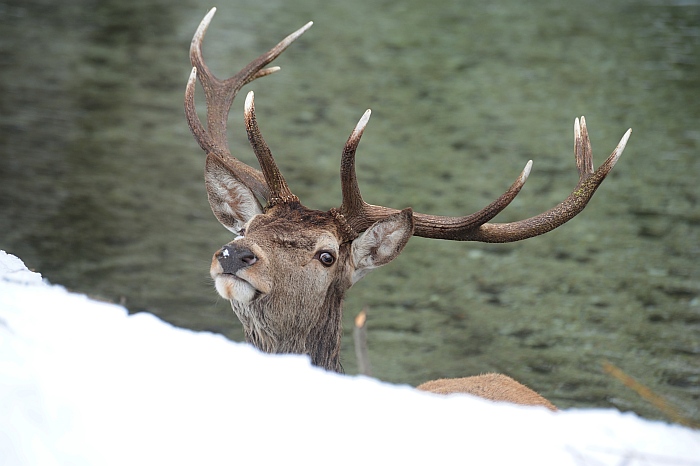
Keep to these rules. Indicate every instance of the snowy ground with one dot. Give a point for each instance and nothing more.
(83, 383)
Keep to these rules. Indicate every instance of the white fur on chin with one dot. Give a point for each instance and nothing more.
(234, 289)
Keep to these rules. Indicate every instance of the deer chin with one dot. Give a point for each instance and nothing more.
(234, 288)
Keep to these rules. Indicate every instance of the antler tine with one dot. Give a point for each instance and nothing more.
(459, 228)
(353, 204)
(589, 181)
(220, 95)
(360, 215)
(582, 148)
(279, 191)
(254, 69)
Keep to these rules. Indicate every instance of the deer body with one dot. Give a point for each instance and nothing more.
(288, 268)
(494, 387)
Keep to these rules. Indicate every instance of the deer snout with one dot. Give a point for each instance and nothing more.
(232, 258)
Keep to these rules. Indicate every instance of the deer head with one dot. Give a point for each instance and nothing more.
(288, 268)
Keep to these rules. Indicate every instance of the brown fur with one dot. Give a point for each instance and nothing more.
(495, 387)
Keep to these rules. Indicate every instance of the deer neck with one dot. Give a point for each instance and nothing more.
(319, 338)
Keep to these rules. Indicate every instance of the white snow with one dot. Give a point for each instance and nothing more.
(84, 383)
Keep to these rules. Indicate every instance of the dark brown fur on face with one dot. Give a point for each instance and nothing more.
(288, 272)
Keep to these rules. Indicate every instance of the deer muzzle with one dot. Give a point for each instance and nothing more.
(233, 258)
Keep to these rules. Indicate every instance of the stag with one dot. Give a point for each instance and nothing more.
(289, 266)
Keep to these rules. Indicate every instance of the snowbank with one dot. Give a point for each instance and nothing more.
(84, 383)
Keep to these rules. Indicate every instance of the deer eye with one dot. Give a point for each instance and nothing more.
(326, 258)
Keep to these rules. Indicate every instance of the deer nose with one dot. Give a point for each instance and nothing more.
(232, 258)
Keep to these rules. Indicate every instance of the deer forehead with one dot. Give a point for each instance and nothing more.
(294, 229)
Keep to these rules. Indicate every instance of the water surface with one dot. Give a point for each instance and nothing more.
(101, 183)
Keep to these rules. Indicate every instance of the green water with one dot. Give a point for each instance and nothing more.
(101, 183)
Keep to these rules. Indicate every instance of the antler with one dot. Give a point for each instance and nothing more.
(219, 97)
(279, 191)
(360, 215)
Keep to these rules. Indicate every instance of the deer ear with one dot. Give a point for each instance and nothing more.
(232, 202)
(381, 243)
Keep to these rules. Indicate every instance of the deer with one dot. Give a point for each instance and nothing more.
(288, 267)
